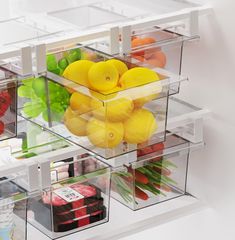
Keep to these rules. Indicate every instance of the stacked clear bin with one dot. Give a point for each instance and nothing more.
(158, 48)
(108, 123)
(159, 174)
(8, 106)
(77, 199)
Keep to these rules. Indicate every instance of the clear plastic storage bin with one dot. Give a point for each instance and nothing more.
(158, 48)
(158, 175)
(110, 108)
(13, 210)
(8, 104)
(77, 199)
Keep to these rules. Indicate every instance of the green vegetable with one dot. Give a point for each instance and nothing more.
(74, 55)
(26, 91)
(63, 63)
(57, 97)
(51, 62)
(33, 109)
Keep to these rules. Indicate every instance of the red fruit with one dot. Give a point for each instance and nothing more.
(2, 126)
(5, 98)
(3, 109)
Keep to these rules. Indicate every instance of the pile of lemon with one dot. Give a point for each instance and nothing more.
(108, 123)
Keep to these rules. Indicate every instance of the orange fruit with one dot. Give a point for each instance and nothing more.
(137, 57)
(155, 62)
(148, 40)
(136, 42)
(158, 59)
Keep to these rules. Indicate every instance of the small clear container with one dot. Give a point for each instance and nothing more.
(107, 123)
(159, 48)
(13, 210)
(77, 199)
(8, 104)
(158, 175)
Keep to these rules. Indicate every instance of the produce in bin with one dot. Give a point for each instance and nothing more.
(152, 55)
(104, 121)
(35, 92)
(76, 197)
(5, 102)
(150, 180)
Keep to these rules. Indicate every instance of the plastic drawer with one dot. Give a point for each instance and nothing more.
(158, 48)
(158, 175)
(98, 122)
(77, 199)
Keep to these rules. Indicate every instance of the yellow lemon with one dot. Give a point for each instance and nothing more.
(78, 72)
(139, 102)
(76, 125)
(69, 113)
(80, 103)
(138, 76)
(140, 126)
(105, 134)
(119, 65)
(114, 111)
(103, 76)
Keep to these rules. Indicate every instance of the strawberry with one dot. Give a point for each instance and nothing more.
(7, 97)
(2, 126)
(3, 109)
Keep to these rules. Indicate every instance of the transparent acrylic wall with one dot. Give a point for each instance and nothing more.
(158, 175)
(78, 198)
(19, 30)
(31, 140)
(13, 210)
(159, 48)
(107, 122)
(8, 104)
(85, 17)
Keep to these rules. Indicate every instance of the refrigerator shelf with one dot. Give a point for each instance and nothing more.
(20, 30)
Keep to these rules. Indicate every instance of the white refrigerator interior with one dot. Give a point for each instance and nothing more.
(208, 211)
